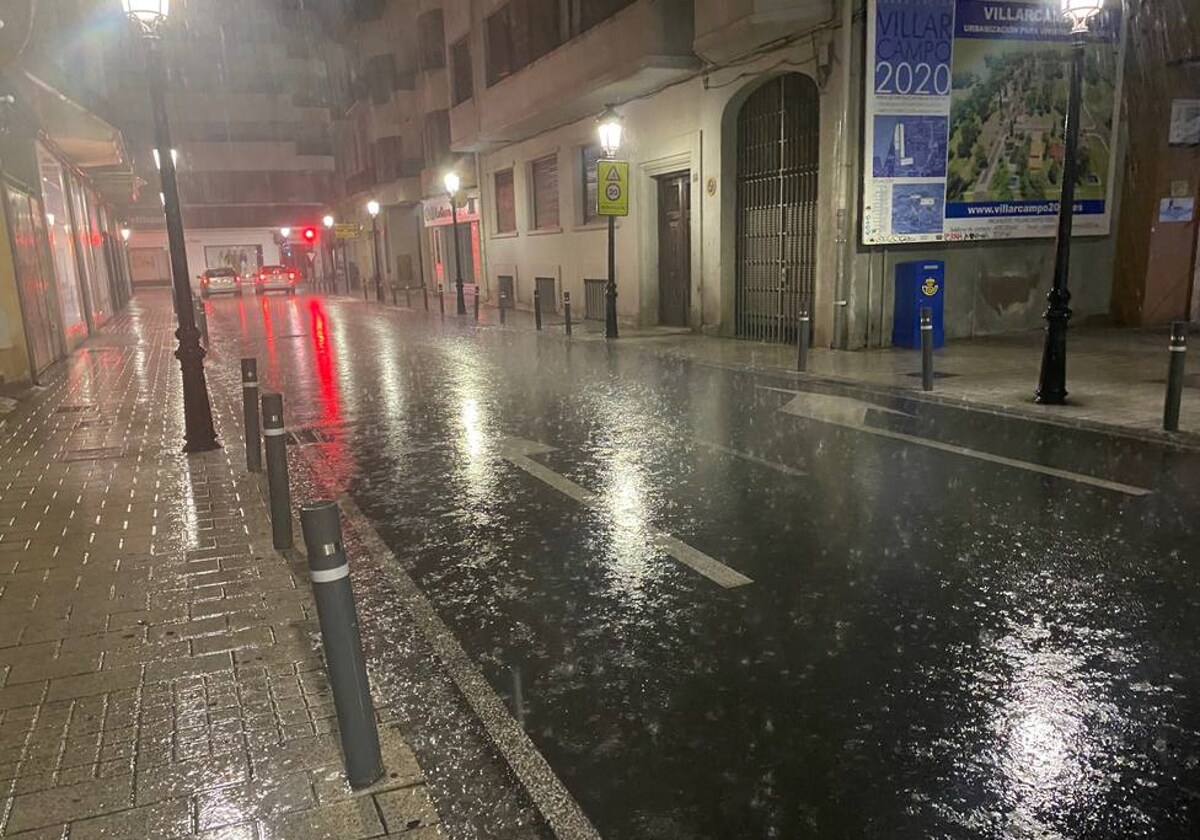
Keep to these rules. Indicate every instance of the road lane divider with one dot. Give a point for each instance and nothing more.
(519, 453)
(851, 413)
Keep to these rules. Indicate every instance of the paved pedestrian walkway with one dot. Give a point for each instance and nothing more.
(160, 667)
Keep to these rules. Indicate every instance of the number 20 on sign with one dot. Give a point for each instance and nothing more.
(612, 195)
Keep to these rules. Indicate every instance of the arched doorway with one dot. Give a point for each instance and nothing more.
(778, 152)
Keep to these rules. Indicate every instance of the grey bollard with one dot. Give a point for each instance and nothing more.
(425, 296)
(503, 306)
(567, 310)
(340, 637)
(1178, 364)
(201, 317)
(477, 302)
(537, 309)
(441, 301)
(277, 471)
(926, 348)
(250, 415)
(803, 338)
(407, 297)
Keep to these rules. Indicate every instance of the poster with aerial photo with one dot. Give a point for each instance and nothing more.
(1003, 89)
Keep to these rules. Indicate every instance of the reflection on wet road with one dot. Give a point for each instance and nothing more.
(947, 625)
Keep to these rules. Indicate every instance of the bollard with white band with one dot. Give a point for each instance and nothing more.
(477, 302)
(250, 415)
(441, 301)
(537, 309)
(277, 471)
(926, 348)
(503, 306)
(334, 596)
(567, 310)
(803, 338)
(1175, 371)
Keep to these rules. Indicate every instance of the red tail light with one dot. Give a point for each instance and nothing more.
(204, 281)
(262, 278)
(292, 276)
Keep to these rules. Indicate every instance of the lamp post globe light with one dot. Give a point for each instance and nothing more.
(199, 433)
(285, 232)
(1052, 383)
(373, 211)
(611, 128)
(453, 184)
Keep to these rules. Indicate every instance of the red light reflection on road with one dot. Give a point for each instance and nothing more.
(337, 457)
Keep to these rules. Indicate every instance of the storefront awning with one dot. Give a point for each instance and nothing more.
(85, 139)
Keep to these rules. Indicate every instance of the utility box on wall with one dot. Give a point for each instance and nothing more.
(919, 284)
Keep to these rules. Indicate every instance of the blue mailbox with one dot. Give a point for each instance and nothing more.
(919, 284)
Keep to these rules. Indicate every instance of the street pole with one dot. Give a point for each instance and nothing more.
(1052, 384)
(610, 289)
(199, 433)
(375, 257)
(458, 280)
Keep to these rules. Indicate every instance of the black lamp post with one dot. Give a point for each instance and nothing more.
(611, 126)
(1052, 384)
(453, 184)
(373, 210)
(199, 433)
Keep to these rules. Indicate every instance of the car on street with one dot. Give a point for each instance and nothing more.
(220, 281)
(276, 278)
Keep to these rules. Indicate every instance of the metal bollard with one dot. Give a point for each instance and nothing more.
(340, 637)
(441, 301)
(1178, 364)
(250, 414)
(477, 302)
(926, 348)
(201, 317)
(503, 306)
(425, 296)
(567, 310)
(277, 471)
(407, 297)
(537, 309)
(803, 338)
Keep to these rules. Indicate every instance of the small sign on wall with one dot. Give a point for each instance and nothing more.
(1185, 122)
(1176, 209)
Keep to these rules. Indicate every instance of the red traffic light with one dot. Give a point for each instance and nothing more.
(310, 234)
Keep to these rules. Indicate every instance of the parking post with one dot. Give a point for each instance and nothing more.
(250, 415)
(277, 471)
(926, 348)
(1175, 371)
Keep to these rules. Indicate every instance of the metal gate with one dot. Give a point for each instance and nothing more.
(593, 299)
(778, 154)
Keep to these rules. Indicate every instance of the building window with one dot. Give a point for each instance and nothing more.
(518, 33)
(460, 66)
(437, 138)
(432, 36)
(506, 202)
(544, 174)
(590, 156)
(593, 12)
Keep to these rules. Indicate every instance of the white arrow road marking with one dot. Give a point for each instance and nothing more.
(851, 413)
(518, 452)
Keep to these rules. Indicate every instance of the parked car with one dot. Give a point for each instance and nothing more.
(276, 278)
(220, 281)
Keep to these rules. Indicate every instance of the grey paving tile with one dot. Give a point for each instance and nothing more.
(406, 809)
(245, 831)
(101, 682)
(187, 666)
(351, 820)
(190, 777)
(266, 799)
(27, 694)
(58, 805)
(63, 666)
(169, 820)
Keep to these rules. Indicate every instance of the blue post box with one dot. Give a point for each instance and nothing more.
(919, 284)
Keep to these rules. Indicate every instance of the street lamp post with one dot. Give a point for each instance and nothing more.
(452, 184)
(1052, 383)
(199, 433)
(610, 129)
(330, 282)
(373, 209)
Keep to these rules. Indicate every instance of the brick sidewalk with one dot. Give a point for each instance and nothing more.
(160, 674)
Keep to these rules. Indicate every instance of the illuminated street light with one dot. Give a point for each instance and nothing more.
(126, 233)
(327, 221)
(610, 128)
(1052, 382)
(150, 16)
(285, 232)
(453, 184)
(373, 210)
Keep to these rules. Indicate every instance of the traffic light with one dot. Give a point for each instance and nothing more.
(310, 235)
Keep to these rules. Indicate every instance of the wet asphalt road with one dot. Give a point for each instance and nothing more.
(931, 644)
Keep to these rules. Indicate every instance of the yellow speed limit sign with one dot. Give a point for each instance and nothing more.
(612, 194)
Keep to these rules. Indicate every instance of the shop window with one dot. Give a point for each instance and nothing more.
(544, 174)
(506, 202)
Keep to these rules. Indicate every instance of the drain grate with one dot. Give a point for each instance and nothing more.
(97, 453)
(305, 437)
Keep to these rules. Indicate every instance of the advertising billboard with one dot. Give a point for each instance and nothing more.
(965, 108)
